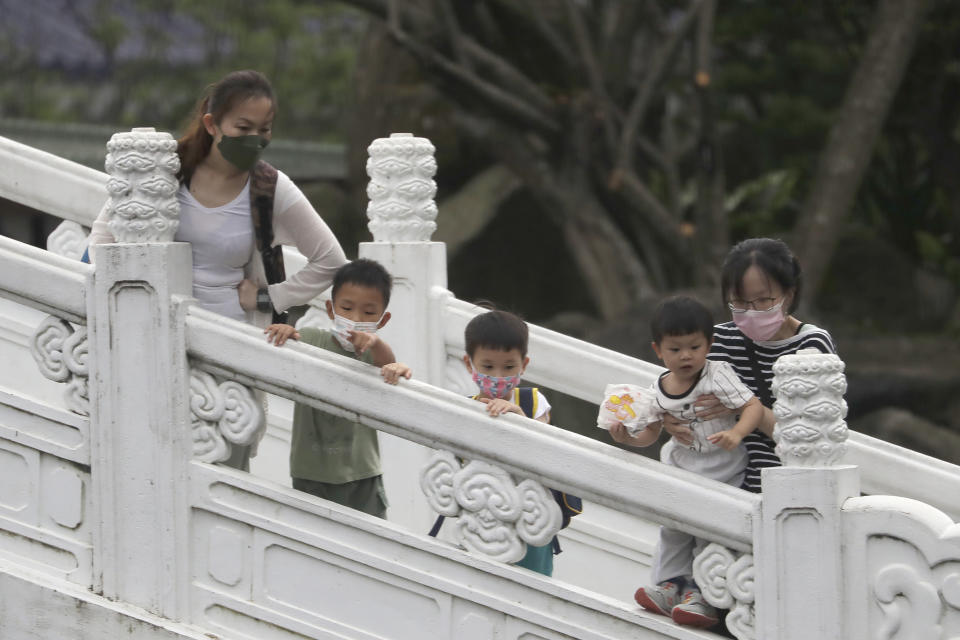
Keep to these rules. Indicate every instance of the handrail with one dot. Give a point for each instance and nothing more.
(557, 361)
(932, 481)
(51, 184)
(437, 418)
(43, 280)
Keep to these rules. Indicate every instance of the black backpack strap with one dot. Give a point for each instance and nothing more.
(263, 188)
(435, 529)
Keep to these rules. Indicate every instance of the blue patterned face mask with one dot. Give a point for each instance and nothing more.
(494, 386)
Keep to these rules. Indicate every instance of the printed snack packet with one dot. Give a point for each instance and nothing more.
(629, 404)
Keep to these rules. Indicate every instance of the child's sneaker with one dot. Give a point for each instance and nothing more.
(660, 598)
(694, 612)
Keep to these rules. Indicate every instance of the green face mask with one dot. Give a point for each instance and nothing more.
(242, 151)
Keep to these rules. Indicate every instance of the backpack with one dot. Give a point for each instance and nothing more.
(570, 505)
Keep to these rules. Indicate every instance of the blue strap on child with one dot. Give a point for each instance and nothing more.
(86, 256)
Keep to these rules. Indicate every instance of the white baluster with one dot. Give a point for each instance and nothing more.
(143, 187)
(810, 409)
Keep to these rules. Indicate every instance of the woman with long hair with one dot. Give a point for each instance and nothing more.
(236, 211)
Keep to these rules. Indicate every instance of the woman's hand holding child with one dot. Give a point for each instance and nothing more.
(708, 407)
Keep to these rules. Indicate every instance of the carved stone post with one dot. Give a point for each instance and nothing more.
(143, 187)
(402, 212)
(140, 441)
(798, 537)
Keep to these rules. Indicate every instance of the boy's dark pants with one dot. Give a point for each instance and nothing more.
(365, 495)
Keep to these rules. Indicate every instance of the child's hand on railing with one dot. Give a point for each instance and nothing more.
(728, 439)
(280, 333)
(394, 371)
(497, 406)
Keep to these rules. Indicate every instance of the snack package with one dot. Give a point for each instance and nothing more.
(629, 404)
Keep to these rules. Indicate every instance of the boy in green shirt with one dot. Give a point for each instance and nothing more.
(332, 457)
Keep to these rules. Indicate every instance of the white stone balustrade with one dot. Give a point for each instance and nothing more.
(113, 504)
(143, 186)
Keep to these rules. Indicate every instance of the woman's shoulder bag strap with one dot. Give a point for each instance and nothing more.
(263, 188)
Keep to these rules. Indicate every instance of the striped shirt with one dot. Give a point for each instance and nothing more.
(756, 371)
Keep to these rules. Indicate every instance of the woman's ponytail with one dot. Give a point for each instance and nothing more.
(195, 143)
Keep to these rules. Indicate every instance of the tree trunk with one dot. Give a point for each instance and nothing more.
(852, 138)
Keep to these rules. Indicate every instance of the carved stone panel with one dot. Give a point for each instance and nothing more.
(727, 582)
(497, 516)
(69, 240)
(60, 351)
(222, 414)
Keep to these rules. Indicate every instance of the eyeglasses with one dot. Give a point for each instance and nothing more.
(757, 304)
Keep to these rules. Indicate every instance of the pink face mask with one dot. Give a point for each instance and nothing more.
(760, 326)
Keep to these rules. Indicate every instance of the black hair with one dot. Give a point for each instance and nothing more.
(366, 273)
(499, 330)
(771, 256)
(680, 316)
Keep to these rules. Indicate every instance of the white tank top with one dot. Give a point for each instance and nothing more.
(222, 240)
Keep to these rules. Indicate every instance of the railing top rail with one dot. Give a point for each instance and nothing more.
(28, 174)
(437, 418)
(43, 280)
(557, 361)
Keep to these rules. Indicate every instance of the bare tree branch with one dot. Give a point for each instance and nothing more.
(657, 216)
(598, 248)
(553, 39)
(658, 68)
(454, 33)
(666, 161)
(509, 75)
(582, 38)
(494, 96)
(711, 235)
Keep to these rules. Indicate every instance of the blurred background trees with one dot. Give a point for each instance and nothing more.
(593, 155)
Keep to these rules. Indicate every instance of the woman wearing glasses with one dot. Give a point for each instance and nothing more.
(760, 283)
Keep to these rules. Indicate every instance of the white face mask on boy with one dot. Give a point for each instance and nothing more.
(343, 326)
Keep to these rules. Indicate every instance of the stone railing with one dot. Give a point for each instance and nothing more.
(809, 559)
(81, 192)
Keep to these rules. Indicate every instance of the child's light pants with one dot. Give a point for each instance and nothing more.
(676, 549)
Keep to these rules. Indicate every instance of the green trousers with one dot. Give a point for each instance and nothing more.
(365, 495)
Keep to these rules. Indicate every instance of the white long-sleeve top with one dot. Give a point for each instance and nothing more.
(224, 249)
